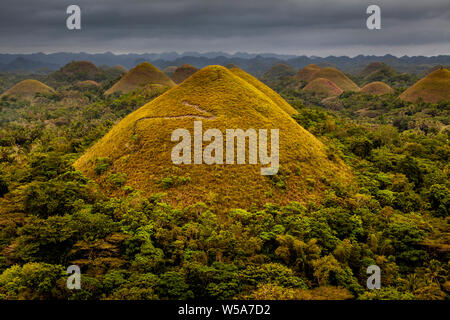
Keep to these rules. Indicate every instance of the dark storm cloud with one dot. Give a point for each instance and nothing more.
(283, 26)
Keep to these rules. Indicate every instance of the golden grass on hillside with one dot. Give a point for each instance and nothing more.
(433, 88)
(322, 87)
(377, 88)
(183, 72)
(140, 146)
(28, 89)
(139, 76)
(336, 76)
(307, 72)
(277, 99)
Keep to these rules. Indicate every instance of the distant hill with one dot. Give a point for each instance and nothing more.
(28, 89)
(323, 88)
(433, 88)
(307, 72)
(377, 88)
(23, 65)
(183, 72)
(312, 72)
(115, 71)
(170, 70)
(256, 64)
(279, 71)
(77, 71)
(139, 147)
(141, 75)
(381, 72)
(373, 67)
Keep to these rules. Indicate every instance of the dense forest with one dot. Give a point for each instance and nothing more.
(395, 214)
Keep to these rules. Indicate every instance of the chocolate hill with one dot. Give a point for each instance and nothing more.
(77, 71)
(28, 89)
(433, 88)
(307, 72)
(312, 72)
(323, 88)
(183, 72)
(377, 88)
(140, 147)
(138, 77)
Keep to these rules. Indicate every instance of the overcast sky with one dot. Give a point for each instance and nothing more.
(310, 27)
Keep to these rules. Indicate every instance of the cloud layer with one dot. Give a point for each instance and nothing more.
(320, 27)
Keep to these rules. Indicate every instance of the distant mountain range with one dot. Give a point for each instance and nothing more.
(254, 63)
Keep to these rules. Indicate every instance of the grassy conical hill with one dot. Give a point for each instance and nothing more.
(139, 147)
(377, 88)
(307, 72)
(77, 71)
(373, 67)
(276, 98)
(433, 88)
(28, 89)
(141, 75)
(336, 76)
(183, 72)
(322, 87)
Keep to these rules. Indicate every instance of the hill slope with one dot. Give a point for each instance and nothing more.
(28, 89)
(276, 98)
(377, 88)
(433, 88)
(140, 146)
(141, 75)
(183, 72)
(323, 88)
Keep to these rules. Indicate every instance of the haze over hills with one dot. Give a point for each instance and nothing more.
(141, 75)
(254, 63)
(140, 146)
(433, 88)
